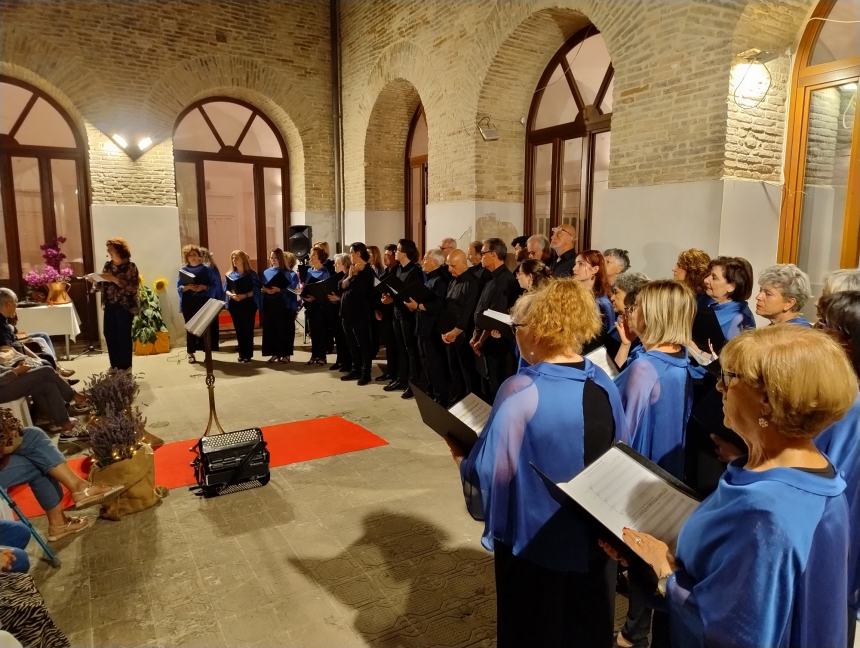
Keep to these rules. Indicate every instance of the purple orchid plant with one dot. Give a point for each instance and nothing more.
(51, 271)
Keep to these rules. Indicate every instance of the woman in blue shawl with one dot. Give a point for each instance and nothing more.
(243, 301)
(193, 285)
(279, 308)
(560, 413)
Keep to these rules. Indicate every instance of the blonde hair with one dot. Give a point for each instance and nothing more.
(560, 315)
(188, 249)
(290, 259)
(806, 376)
(245, 260)
(667, 309)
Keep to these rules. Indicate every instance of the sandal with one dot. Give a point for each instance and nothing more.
(73, 525)
(284, 360)
(191, 358)
(95, 494)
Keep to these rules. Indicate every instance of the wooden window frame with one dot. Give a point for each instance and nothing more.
(806, 79)
(587, 125)
(230, 153)
(411, 162)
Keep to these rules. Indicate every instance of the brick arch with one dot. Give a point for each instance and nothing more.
(385, 146)
(235, 77)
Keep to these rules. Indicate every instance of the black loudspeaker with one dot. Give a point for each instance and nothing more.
(300, 240)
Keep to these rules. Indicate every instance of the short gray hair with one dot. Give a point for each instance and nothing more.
(449, 242)
(630, 282)
(840, 281)
(7, 295)
(344, 259)
(790, 280)
(539, 238)
(437, 255)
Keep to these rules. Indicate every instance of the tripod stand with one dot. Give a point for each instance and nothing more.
(91, 349)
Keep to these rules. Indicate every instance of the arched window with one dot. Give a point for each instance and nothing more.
(416, 178)
(232, 180)
(820, 218)
(567, 152)
(43, 185)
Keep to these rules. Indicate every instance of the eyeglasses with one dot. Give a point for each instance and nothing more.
(483, 252)
(726, 377)
(556, 230)
(515, 326)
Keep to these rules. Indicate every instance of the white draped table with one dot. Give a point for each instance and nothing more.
(59, 319)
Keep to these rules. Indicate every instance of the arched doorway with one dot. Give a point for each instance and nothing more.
(43, 182)
(567, 149)
(232, 179)
(416, 179)
(820, 216)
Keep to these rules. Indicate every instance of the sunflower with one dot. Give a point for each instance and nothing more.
(160, 284)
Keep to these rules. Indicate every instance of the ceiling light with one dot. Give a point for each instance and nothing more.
(144, 143)
(119, 139)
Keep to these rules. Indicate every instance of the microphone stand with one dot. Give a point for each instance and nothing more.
(91, 349)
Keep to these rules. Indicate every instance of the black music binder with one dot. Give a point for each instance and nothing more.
(442, 421)
(400, 291)
(190, 279)
(491, 320)
(277, 281)
(242, 285)
(320, 290)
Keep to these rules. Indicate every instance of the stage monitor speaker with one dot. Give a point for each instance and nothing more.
(300, 240)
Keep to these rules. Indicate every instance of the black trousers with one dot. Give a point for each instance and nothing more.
(117, 329)
(461, 364)
(408, 364)
(243, 313)
(359, 339)
(318, 330)
(387, 337)
(434, 361)
(279, 327)
(543, 608)
(496, 364)
(191, 303)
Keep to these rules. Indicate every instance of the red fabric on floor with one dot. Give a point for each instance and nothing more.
(288, 443)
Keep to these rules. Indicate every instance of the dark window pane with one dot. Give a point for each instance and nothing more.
(67, 213)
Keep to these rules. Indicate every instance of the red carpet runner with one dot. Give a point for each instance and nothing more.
(288, 443)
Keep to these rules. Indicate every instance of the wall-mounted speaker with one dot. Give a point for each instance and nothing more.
(299, 241)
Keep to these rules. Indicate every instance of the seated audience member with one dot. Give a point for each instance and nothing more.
(495, 356)
(14, 538)
(243, 301)
(356, 312)
(521, 252)
(431, 350)
(343, 359)
(560, 413)
(538, 248)
(531, 274)
(839, 280)
(590, 269)
(656, 391)
(622, 343)
(408, 363)
(20, 378)
(315, 310)
(456, 322)
(762, 561)
(279, 306)
(617, 261)
(9, 334)
(563, 243)
(839, 317)
(193, 287)
(784, 290)
(384, 316)
(216, 291)
(29, 457)
(691, 268)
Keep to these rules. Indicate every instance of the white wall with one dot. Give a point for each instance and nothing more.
(153, 237)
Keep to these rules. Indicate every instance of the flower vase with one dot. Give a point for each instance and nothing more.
(58, 293)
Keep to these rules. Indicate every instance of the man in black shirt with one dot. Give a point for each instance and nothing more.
(356, 310)
(496, 359)
(456, 323)
(385, 316)
(563, 243)
(476, 269)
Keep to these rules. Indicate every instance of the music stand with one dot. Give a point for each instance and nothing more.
(89, 289)
(199, 325)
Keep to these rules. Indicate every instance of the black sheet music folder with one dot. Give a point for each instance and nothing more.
(320, 290)
(442, 422)
(400, 291)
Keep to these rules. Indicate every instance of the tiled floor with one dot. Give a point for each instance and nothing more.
(372, 548)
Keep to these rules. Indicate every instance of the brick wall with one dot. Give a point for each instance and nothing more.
(121, 65)
(672, 121)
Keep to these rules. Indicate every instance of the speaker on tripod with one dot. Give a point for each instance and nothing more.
(299, 241)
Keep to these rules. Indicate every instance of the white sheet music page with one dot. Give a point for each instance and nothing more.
(601, 358)
(504, 318)
(473, 411)
(621, 492)
(198, 324)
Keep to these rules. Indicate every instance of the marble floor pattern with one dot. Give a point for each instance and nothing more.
(372, 548)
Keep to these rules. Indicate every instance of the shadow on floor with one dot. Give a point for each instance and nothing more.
(407, 587)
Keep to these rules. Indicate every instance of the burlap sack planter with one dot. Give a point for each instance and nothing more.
(138, 475)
